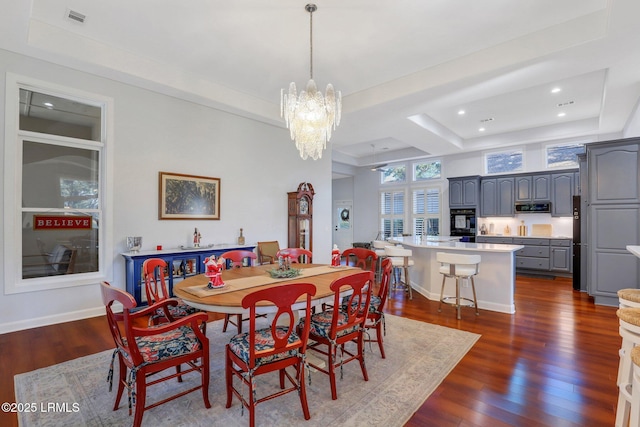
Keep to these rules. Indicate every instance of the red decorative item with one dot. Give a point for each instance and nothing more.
(213, 272)
(335, 256)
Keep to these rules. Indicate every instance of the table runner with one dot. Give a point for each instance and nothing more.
(254, 281)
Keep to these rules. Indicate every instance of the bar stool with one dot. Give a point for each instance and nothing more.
(629, 297)
(459, 267)
(401, 260)
(630, 332)
(378, 248)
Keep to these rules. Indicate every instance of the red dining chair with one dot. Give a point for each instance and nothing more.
(146, 352)
(270, 349)
(153, 270)
(375, 318)
(237, 259)
(335, 328)
(361, 257)
(296, 255)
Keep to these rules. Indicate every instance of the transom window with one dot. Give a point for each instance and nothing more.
(503, 161)
(427, 170)
(394, 174)
(563, 156)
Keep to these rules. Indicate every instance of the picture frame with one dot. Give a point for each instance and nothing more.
(184, 196)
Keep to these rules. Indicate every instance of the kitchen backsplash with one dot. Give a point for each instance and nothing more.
(560, 227)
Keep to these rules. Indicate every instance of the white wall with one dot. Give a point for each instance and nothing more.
(257, 164)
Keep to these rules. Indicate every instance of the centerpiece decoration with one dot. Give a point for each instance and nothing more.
(214, 272)
(284, 270)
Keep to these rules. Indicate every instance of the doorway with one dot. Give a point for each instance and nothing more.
(342, 224)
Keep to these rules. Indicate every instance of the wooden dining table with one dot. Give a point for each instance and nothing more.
(240, 282)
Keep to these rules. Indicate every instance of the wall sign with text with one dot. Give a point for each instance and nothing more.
(61, 222)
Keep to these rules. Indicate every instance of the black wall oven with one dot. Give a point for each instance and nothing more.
(463, 224)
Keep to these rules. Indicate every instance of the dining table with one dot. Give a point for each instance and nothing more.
(239, 282)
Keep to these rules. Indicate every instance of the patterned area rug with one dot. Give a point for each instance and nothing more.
(419, 356)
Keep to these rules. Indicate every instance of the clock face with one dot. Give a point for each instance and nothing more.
(304, 206)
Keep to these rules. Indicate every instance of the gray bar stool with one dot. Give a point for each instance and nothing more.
(458, 267)
(401, 261)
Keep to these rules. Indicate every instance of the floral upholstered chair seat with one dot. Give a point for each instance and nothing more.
(167, 345)
(178, 311)
(373, 306)
(320, 323)
(239, 344)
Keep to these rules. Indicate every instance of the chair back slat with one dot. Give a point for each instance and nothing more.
(296, 255)
(283, 297)
(153, 270)
(237, 257)
(364, 258)
(360, 286)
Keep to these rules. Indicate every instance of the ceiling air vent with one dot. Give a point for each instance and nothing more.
(76, 16)
(490, 119)
(564, 104)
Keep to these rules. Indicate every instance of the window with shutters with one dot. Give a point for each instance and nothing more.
(392, 213)
(425, 214)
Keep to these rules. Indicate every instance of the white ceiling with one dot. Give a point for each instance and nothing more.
(405, 67)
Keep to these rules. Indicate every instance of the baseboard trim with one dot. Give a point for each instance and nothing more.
(51, 320)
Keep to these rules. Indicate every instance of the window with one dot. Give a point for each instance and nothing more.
(503, 161)
(427, 170)
(55, 191)
(426, 211)
(563, 156)
(395, 174)
(392, 210)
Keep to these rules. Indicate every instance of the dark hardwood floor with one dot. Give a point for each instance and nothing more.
(553, 363)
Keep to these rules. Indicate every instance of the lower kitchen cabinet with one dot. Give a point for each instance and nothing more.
(539, 255)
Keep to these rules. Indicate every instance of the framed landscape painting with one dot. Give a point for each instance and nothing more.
(188, 197)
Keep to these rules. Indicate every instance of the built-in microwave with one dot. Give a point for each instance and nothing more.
(538, 207)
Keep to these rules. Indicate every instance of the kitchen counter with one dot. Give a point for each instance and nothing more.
(634, 250)
(495, 283)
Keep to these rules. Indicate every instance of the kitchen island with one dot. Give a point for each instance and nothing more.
(495, 283)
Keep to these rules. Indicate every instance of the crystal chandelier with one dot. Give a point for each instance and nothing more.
(311, 116)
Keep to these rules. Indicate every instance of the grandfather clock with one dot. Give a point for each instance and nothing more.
(300, 214)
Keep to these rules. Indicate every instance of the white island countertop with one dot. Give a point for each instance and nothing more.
(634, 250)
(495, 283)
(447, 243)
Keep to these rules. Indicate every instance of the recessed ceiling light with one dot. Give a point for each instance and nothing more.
(461, 113)
(481, 129)
(562, 114)
(556, 90)
(48, 105)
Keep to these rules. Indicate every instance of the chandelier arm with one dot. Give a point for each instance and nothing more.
(311, 8)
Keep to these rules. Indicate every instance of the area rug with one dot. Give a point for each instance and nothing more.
(418, 357)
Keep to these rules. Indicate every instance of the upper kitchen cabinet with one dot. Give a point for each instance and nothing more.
(533, 188)
(497, 196)
(464, 192)
(562, 191)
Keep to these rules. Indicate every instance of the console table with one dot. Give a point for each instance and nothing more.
(181, 263)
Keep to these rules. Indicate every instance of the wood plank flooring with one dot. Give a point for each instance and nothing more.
(553, 363)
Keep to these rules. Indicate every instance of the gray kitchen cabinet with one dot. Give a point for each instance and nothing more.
(562, 190)
(534, 255)
(613, 218)
(497, 196)
(532, 188)
(560, 255)
(539, 255)
(494, 239)
(464, 192)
